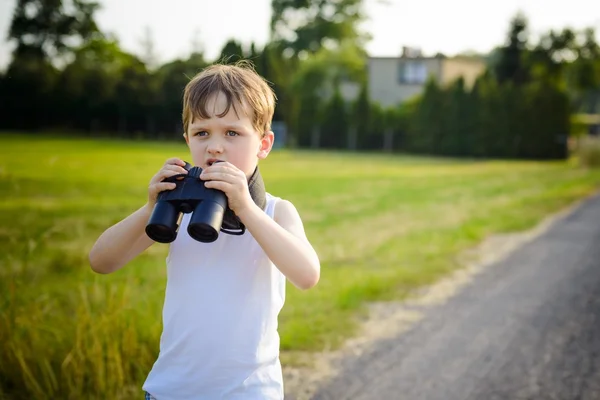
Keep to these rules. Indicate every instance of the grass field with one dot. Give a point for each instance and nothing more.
(382, 226)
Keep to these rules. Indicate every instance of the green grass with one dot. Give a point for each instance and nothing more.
(382, 225)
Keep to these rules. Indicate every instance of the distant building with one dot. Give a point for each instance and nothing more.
(393, 80)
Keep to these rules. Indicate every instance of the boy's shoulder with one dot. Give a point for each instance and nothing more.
(276, 200)
(273, 201)
(282, 209)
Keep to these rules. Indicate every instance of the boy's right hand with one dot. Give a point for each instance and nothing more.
(173, 166)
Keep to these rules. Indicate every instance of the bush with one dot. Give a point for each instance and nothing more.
(588, 152)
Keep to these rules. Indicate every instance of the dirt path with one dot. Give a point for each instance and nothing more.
(388, 322)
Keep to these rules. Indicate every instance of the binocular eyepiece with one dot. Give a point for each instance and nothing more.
(189, 196)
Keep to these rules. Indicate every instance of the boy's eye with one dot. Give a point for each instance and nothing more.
(232, 133)
(200, 133)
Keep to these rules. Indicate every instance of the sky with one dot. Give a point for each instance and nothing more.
(434, 26)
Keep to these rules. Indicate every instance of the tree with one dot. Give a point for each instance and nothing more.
(27, 94)
(510, 65)
(47, 28)
(315, 81)
(583, 75)
(305, 26)
(44, 30)
(427, 127)
(232, 51)
(105, 88)
(301, 30)
(149, 56)
(335, 122)
(360, 118)
(572, 59)
(171, 80)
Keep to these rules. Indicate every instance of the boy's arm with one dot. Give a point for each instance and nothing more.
(121, 243)
(284, 241)
(282, 238)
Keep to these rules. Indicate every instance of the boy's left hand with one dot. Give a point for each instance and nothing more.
(229, 179)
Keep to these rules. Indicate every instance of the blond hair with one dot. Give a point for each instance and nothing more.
(240, 84)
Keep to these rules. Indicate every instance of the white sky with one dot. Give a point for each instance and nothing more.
(433, 25)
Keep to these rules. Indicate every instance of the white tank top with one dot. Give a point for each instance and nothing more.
(220, 338)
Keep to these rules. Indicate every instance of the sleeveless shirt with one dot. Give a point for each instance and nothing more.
(220, 338)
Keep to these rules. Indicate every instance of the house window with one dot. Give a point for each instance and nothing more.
(412, 72)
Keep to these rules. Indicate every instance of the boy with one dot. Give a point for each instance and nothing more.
(223, 298)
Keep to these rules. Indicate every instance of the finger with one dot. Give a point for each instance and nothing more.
(220, 176)
(164, 174)
(176, 168)
(219, 185)
(222, 166)
(161, 186)
(171, 172)
(175, 161)
(230, 170)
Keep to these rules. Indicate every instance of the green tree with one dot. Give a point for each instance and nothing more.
(335, 122)
(232, 51)
(360, 116)
(303, 29)
(305, 85)
(427, 127)
(27, 94)
(45, 28)
(306, 26)
(104, 87)
(583, 74)
(549, 56)
(171, 80)
(373, 140)
(390, 122)
(454, 115)
(510, 65)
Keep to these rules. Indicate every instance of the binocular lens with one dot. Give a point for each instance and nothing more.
(161, 233)
(162, 226)
(203, 233)
(206, 221)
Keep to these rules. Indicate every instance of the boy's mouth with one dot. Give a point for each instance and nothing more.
(212, 161)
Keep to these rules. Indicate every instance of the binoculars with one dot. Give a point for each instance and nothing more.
(207, 206)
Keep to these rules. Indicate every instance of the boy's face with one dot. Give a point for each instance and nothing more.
(230, 138)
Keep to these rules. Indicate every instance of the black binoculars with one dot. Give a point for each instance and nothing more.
(207, 206)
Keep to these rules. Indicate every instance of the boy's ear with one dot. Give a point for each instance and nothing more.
(266, 144)
(187, 139)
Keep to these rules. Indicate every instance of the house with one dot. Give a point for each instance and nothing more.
(393, 80)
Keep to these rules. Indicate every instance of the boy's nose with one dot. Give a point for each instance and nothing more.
(215, 148)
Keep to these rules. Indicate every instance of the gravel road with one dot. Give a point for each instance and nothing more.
(528, 327)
